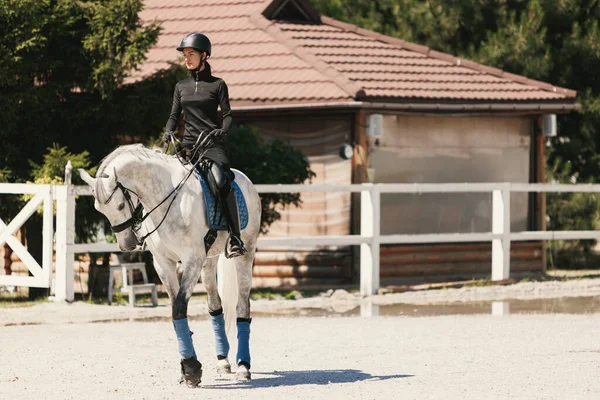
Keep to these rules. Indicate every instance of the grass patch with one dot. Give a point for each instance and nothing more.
(480, 283)
(19, 301)
(281, 294)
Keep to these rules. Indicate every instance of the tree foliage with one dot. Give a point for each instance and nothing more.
(268, 162)
(570, 211)
(52, 171)
(61, 73)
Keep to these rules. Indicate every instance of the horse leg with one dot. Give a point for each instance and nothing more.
(244, 274)
(167, 272)
(215, 309)
(191, 368)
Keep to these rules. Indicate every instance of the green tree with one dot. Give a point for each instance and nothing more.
(10, 204)
(268, 162)
(63, 64)
(570, 211)
(52, 170)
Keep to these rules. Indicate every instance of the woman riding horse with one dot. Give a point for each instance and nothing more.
(199, 96)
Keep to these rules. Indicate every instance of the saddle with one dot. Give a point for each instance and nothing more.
(214, 214)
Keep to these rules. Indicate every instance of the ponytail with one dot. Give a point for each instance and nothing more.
(207, 67)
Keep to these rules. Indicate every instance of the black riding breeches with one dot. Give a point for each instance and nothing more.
(218, 166)
(222, 178)
(217, 154)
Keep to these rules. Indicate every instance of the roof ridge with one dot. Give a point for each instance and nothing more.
(270, 27)
(447, 57)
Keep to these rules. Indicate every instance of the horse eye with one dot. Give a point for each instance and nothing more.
(121, 206)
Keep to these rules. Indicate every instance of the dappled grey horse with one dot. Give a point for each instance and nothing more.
(149, 196)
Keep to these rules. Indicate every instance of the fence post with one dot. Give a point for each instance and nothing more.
(501, 226)
(370, 221)
(65, 238)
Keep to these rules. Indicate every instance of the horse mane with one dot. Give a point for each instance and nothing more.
(138, 150)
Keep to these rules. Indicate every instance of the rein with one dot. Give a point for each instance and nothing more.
(136, 219)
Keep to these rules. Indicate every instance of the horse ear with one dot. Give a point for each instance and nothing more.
(112, 181)
(86, 177)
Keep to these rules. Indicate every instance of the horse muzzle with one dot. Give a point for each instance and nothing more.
(127, 241)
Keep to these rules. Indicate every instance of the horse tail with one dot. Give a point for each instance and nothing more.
(228, 290)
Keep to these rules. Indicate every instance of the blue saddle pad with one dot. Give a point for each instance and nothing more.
(214, 215)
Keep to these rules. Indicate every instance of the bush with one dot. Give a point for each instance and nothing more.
(268, 162)
(570, 212)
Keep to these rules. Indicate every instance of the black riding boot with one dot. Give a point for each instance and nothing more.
(235, 246)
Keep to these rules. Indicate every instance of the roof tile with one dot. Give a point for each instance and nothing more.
(288, 91)
(449, 86)
(202, 12)
(220, 39)
(183, 27)
(275, 76)
(187, 3)
(414, 69)
(345, 56)
(394, 76)
(250, 63)
(464, 95)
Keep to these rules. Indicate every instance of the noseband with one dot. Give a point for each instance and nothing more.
(136, 212)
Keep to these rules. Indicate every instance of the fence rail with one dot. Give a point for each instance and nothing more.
(370, 238)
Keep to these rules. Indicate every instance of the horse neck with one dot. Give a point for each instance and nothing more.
(149, 178)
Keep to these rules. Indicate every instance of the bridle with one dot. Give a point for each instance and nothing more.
(136, 219)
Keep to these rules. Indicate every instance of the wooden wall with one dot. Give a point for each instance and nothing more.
(448, 149)
(414, 148)
(319, 137)
(437, 148)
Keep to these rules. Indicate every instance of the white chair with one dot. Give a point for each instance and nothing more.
(126, 270)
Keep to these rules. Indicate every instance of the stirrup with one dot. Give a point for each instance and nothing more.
(237, 247)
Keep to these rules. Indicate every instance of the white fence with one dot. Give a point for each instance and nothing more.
(42, 195)
(369, 239)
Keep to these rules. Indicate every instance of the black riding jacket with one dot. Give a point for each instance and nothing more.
(199, 97)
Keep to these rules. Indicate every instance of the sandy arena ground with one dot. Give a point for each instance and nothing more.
(56, 351)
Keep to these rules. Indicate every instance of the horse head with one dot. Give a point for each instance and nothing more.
(117, 204)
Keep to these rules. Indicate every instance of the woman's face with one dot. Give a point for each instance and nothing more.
(192, 58)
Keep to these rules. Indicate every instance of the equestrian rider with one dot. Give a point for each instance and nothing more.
(199, 96)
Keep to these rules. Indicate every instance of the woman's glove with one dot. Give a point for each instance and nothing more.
(167, 136)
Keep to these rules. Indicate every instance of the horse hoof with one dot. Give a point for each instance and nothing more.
(191, 372)
(223, 366)
(243, 373)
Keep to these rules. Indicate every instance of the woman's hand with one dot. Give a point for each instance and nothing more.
(167, 136)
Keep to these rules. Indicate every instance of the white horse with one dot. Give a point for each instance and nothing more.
(174, 225)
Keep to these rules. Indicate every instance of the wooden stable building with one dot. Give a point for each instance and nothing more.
(415, 115)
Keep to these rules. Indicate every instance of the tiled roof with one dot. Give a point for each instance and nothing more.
(276, 61)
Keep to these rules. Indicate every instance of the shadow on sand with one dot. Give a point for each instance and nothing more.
(294, 378)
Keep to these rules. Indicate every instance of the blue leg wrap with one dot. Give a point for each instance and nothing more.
(243, 336)
(221, 342)
(184, 338)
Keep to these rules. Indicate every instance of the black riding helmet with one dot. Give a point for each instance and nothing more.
(196, 41)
